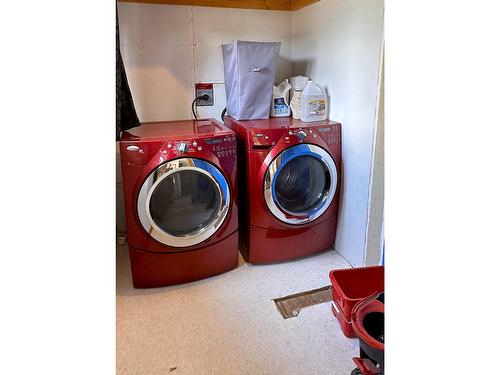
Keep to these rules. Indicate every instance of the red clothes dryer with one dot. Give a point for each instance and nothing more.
(179, 181)
(289, 175)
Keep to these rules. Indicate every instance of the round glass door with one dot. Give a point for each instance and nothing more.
(300, 184)
(183, 202)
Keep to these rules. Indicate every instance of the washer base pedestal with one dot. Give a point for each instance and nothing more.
(274, 245)
(150, 269)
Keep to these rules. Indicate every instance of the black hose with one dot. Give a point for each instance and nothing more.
(201, 97)
(223, 114)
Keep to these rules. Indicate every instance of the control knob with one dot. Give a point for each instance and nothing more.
(301, 135)
(182, 147)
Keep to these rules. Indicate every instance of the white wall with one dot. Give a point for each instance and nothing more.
(338, 44)
(167, 48)
(375, 231)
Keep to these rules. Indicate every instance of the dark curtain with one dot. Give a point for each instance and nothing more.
(126, 116)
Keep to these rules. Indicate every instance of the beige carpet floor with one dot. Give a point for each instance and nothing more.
(229, 324)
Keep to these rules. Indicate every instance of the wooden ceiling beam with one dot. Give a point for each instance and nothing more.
(238, 4)
(299, 4)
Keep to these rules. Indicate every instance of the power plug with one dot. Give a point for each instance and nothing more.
(200, 90)
(199, 99)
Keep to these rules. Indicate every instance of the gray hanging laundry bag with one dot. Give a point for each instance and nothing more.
(249, 74)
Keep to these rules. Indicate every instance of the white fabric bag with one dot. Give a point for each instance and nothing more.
(249, 73)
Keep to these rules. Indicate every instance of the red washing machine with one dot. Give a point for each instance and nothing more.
(289, 175)
(179, 182)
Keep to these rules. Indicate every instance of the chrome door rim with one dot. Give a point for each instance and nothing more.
(273, 171)
(157, 176)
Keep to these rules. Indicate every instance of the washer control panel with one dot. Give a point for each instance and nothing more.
(182, 147)
(179, 148)
(222, 147)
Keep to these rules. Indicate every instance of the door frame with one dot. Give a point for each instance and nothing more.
(166, 169)
(273, 170)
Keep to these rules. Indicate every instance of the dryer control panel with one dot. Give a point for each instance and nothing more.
(265, 138)
(330, 133)
(300, 134)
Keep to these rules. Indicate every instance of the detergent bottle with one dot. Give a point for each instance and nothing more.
(313, 103)
(280, 106)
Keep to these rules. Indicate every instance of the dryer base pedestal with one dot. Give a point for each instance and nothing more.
(274, 245)
(150, 270)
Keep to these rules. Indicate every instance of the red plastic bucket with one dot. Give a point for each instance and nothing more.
(351, 285)
(368, 324)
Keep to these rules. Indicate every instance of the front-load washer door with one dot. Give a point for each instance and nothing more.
(300, 184)
(183, 202)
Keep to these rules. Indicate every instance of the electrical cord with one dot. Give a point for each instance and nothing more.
(204, 97)
(223, 114)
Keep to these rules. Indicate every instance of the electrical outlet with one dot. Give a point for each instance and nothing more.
(204, 88)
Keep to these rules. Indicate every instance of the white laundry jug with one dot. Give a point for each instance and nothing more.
(279, 105)
(298, 83)
(313, 103)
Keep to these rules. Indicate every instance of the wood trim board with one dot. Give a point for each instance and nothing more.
(290, 306)
(286, 5)
(299, 4)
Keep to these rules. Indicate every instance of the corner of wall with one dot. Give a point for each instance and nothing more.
(374, 222)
